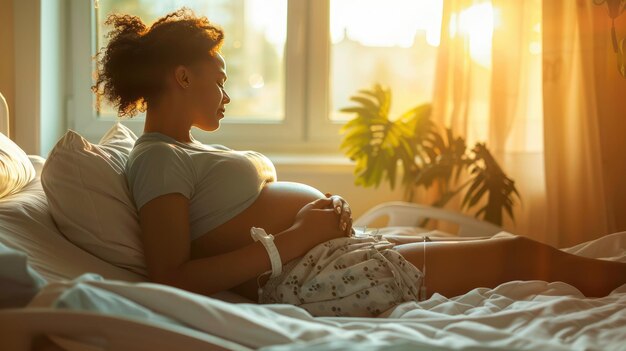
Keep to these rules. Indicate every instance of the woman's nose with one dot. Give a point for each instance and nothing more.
(226, 98)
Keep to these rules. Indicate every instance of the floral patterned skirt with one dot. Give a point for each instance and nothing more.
(349, 277)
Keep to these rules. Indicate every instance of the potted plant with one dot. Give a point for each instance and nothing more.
(428, 156)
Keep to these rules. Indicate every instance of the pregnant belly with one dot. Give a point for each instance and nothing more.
(274, 210)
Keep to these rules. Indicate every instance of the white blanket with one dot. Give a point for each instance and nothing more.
(531, 315)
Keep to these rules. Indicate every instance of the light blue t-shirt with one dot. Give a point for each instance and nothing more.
(219, 182)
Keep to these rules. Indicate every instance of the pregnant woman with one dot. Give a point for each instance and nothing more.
(198, 204)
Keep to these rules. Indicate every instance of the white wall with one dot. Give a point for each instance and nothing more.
(27, 84)
(39, 86)
(7, 60)
(53, 73)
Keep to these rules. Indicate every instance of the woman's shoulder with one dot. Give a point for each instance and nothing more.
(153, 150)
(150, 146)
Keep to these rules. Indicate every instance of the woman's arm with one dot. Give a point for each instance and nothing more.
(165, 235)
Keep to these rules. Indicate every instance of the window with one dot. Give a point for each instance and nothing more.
(395, 45)
(292, 64)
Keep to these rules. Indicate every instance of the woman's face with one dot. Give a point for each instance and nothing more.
(208, 97)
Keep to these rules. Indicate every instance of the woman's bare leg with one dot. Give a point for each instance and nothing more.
(454, 268)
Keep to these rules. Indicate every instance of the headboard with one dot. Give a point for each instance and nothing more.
(4, 116)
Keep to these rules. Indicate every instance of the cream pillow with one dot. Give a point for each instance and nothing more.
(16, 170)
(89, 198)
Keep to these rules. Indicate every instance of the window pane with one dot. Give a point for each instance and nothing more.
(256, 32)
(392, 42)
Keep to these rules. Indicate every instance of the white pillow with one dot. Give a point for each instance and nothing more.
(89, 197)
(16, 170)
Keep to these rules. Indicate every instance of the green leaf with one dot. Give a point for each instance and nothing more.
(476, 182)
(367, 104)
(509, 210)
(477, 196)
(385, 103)
(362, 112)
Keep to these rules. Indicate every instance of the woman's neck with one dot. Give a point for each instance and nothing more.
(167, 121)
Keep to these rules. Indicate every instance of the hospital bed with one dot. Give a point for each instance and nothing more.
(55, 295)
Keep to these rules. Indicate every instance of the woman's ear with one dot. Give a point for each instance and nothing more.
(182, 76)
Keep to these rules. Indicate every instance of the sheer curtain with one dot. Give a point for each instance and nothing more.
(488, 89)
(585, 118)
(538, 82)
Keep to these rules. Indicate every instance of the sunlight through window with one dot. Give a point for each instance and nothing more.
(477, 22)
(393, 43)
(388, 24)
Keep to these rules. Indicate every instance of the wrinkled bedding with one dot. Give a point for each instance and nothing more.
(519, 315)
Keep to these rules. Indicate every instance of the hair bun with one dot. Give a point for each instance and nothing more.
(125, 25)
(132, 67)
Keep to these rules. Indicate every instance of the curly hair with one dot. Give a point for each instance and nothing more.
(132, 67)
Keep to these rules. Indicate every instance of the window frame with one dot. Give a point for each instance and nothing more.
(306, 127)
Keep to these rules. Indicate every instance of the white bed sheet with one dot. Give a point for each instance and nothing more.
(520, 315)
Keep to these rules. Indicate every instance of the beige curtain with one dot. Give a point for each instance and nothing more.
(550, 104)
(488, 88)
(585, 122)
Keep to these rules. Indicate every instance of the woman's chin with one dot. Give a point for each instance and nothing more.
(209, 127)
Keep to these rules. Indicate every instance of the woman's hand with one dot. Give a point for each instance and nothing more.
(318, 222)
(342, 208)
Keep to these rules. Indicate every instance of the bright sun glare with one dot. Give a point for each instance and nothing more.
(397, 23)
(477, 22)
(394, 24)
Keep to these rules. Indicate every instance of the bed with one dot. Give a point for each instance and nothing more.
(57, 295)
